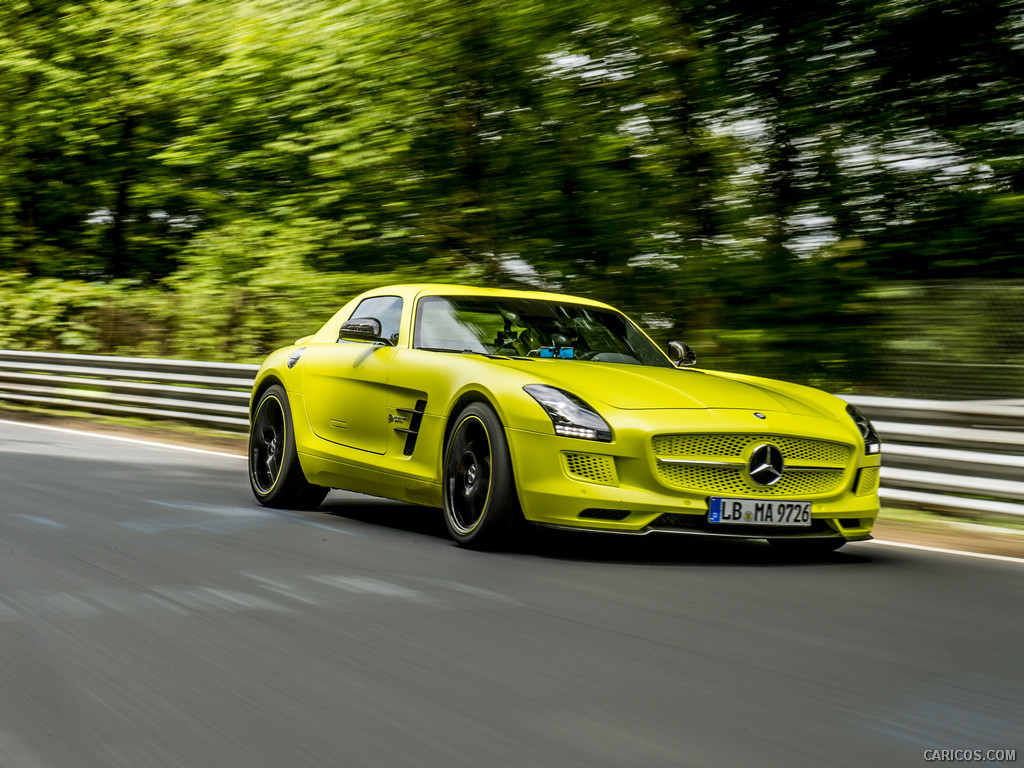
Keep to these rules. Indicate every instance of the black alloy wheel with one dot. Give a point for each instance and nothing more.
(481, 507)
(266, 444)
(274, 471)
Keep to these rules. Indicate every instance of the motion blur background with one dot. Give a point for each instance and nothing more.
(830, 193)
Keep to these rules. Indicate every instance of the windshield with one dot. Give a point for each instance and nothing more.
(531, 328)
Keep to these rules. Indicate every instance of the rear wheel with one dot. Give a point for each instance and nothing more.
(274, 472)
(481, 506)
(807, 547)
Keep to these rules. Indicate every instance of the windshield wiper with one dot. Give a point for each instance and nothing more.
(453, 351)
(447, 349)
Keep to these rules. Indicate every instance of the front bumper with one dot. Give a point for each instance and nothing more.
(619, 487)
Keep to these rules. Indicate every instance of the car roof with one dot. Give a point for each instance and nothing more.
(416, 290)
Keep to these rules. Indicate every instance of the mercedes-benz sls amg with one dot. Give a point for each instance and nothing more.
(507, 408)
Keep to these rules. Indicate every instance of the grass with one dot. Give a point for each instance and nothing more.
(907, 515)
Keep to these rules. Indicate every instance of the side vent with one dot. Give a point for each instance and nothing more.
(868, 481)
(415, 417)
(590, 467)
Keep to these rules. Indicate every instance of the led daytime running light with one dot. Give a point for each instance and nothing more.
(570, 416)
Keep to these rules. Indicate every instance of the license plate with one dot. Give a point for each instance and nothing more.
(759, 512)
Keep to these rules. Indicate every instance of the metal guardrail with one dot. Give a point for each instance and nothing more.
(211, 394)
(949, 455)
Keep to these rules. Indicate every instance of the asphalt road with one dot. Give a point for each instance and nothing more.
(151, 614)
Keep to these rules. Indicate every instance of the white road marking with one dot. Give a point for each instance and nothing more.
(940, 550)
(132, 440)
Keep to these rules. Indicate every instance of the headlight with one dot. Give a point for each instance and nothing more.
(571, 416)
(872, 444)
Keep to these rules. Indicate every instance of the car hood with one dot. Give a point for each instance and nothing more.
(634, 387)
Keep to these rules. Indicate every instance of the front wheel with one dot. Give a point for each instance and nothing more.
(274, 472)
(481, 506)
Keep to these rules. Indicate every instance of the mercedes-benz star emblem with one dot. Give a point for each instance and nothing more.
(765, 466)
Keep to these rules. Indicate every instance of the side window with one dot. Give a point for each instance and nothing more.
(387, 309)
(440, 326)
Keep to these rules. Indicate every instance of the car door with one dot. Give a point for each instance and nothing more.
(345, 383)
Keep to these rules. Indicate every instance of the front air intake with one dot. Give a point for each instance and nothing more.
(603, 514)
(590, 467)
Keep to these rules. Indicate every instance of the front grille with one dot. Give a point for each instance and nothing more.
(733, 481)
(592, 467)
(674, 521)
(736, 448)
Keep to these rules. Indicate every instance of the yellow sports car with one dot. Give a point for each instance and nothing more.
(513, 407)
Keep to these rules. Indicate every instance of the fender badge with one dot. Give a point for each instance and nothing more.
(760, 416)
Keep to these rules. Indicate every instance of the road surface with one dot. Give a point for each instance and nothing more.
(152, 614)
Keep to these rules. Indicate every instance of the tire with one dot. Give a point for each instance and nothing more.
(274, 472)
(481, 506)
(806, 548)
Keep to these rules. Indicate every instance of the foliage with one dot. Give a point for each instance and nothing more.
(211, 179)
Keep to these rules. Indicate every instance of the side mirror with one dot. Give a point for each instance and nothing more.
(362, 329)
(681, 355)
